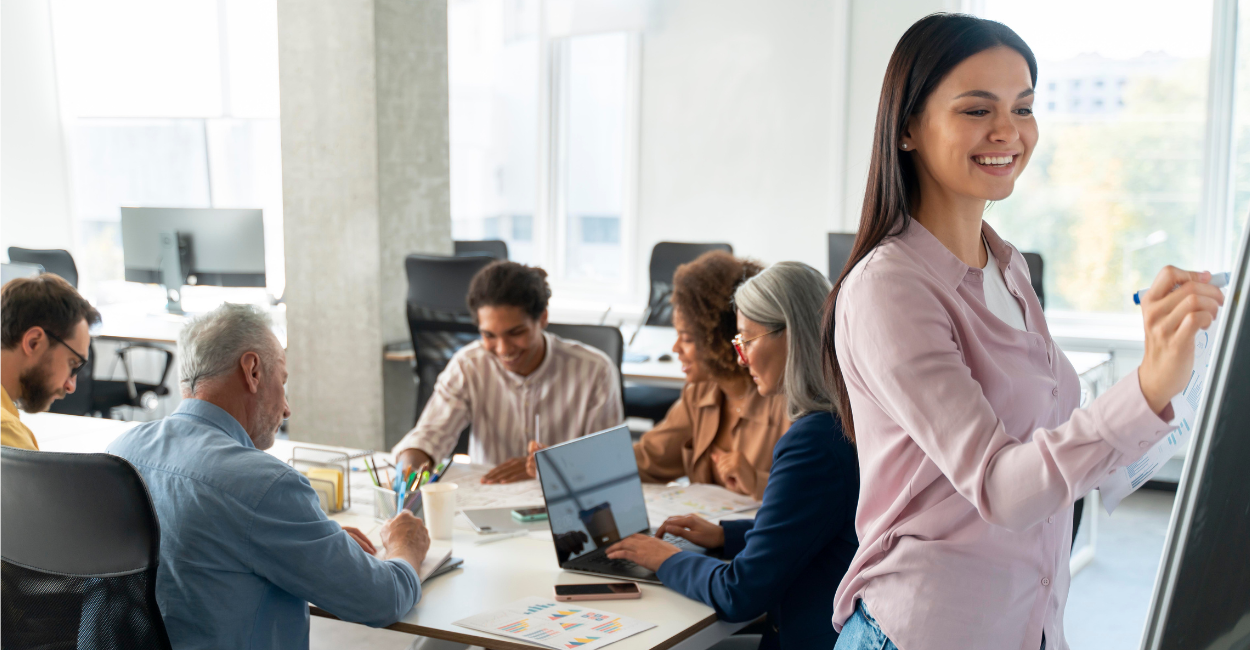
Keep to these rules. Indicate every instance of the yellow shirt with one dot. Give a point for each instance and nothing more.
(12, 432)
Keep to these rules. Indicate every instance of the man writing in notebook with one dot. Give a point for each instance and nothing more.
(244, 545)
(46, 341)
(517, 385)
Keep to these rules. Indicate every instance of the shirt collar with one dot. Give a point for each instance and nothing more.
(7, 403)
(945, 265)
(215, 416)
(753, 408)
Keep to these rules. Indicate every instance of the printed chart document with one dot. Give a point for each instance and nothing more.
(1126, 480)
(556, 625)
(708, 501)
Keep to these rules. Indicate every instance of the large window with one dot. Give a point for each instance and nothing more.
(168, 104)
(543, 138)
(1115, 189)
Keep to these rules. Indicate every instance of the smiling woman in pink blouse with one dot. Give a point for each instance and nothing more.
(962, 407)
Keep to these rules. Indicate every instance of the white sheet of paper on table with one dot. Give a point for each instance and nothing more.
(556, 625)
(1127, 479)
(708, 501)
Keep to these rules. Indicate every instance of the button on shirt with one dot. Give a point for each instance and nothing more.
(969, 442)
(575, 391)
(244, 546)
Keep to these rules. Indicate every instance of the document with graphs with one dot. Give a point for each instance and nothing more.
(556, 625)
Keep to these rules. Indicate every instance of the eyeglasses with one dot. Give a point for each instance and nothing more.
(82, 361)
(740, 344)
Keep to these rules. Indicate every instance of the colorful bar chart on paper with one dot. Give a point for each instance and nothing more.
(611, 626)
(517, 626)
(546, 623)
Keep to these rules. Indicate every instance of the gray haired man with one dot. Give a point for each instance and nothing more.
(244, 545)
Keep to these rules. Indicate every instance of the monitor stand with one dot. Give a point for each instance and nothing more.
(172, 271)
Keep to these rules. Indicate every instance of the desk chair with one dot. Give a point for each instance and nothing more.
(493, 248)
(840, 244)
(98, 396)
(53, 260)
(653, 402)
(601, 337)
(1034, 262)
(15, 270)
(438, 318)
(81, 548)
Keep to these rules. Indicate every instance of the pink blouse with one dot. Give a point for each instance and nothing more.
(971, 450)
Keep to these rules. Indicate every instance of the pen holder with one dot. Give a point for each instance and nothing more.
(384, 503)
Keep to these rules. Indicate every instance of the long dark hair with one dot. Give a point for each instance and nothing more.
(929, 50)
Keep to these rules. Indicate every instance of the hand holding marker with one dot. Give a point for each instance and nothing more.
(1218, 280)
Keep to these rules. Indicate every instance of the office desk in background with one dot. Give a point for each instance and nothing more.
(493, 575)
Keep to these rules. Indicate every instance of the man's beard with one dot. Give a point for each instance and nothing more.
(37, 396)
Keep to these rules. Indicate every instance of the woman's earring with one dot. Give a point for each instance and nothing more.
(904, 145)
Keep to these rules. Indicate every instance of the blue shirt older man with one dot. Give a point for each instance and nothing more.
(244, 545)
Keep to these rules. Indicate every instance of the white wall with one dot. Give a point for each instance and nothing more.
(34, 194)
(756, 120)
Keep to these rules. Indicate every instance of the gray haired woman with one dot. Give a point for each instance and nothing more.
(788, 561)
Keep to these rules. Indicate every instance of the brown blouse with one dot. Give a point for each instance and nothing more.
(682, 443)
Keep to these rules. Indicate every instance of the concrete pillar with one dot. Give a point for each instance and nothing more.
(365, 182)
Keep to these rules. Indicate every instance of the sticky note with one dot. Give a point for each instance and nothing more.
(333, 476)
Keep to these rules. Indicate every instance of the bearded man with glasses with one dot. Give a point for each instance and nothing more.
(45, 339)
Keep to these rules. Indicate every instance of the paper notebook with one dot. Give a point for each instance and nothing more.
(434, 558)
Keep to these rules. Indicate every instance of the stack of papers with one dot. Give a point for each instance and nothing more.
(556, 625)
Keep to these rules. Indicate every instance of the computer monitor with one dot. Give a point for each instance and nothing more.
(196, 246)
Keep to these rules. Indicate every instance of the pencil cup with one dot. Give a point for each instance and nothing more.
(439, 503)
(384, 503)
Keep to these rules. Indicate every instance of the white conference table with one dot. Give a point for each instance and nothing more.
(493, 575)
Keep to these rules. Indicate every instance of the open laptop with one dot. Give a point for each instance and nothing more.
(594, 499)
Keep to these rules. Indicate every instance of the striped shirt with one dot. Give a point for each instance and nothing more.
(574, 391)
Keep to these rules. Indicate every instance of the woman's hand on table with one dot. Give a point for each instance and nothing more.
(531, 465)
(694, 529)
(643, 550)
(1172, 318)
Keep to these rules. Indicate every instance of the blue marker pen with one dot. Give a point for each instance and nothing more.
(1218, 280)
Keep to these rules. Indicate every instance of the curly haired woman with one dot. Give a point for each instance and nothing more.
(721, 430)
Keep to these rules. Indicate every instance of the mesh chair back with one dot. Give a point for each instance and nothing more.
(840, 244)
(52, 260)
(438, 318)
(81, 546)
(1034, 261)
(494, 248)
(601, 337)
(665, 258)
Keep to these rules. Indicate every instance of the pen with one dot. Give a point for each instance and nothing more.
(500, 537)
(537, 428)
(1218, 280)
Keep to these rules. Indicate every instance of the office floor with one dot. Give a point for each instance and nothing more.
(1106, 607)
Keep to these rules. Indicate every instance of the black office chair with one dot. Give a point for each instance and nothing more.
(99, 396)
(1034, 262)
(653, 402)
(53, 260)
(601, 337)
(81, 546)
(438, 318)
(666, 256)
(493, 248)
(840, 244)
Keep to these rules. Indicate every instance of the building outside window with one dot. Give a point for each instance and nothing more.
(543, 138)
(1114, 190)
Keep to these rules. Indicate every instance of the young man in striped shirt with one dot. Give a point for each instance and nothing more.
(516, 385)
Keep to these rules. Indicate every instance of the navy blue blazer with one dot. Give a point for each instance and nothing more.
(789, 560)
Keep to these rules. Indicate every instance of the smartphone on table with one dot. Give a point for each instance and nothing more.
(530, 514)
(600, 591)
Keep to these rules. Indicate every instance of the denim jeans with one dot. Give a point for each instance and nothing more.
(861, 632)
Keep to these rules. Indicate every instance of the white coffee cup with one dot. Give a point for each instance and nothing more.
(438, 503)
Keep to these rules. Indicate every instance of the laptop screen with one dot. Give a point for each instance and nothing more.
(593, 493)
